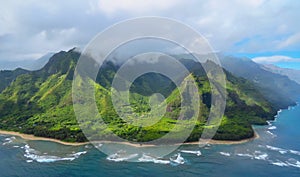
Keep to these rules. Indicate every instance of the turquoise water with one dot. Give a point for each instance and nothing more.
(276, 153)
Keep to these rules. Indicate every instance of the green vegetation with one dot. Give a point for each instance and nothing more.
(40, 103)
(6, 77)
(277, 89)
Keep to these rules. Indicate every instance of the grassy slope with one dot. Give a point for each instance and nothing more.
(40, 103)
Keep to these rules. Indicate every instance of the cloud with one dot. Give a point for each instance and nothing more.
(32, 27)
(290, 41)
(226, 24)
(275, 59)
(135, 6)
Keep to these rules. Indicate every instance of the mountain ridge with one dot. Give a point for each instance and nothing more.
(292, 74)
(278, 89)
(40, 103)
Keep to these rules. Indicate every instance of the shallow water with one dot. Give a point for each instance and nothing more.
(276, 153)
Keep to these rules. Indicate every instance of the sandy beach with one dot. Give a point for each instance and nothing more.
(33, 138)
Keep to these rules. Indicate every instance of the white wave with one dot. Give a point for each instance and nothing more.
(280, 110)
(207, 146)
(291, 108)
(121, 156)
(98, 145)
(77, 154)
(269, 123)
(34, 155)
(87, 146)
(272, 134)
(280, 150)
(29, 161)
(43, 158)
(293, 163)
(177, 159)
(161, 161)
(260, 155)
(9, 140)
(225, 154)
(272, 128)
(279, 163)
(294, 152)
(198, 153)
(148, 158)
(245, 155)
(16, 146)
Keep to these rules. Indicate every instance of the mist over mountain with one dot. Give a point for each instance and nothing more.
(277, 88)
(26, 64)
(292, 74)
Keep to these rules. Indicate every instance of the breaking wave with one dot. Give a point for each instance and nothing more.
(258, 155)
(121, 156)
(272, 128)
(148, 158)
(198, 153)
(294, 152)
(280, 150)
(245, 155)
(225, 154)
(8, 140)
(34, 155)
(177, 159)
(288, 163)
(272, 134)
(293, 163)
(279, 163)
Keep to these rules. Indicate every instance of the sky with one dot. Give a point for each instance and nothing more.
(267, 31)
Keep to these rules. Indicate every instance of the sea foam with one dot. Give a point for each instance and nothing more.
(177, 159)
(293, 163)
(279, 163)
(34, 155)
(225, 154)
(294, 152)
(9, 140)
(272, 134)
(272, 128)
(148, 158)
(198, 153)
(280, 150)
(258, 155)
(121, 156)
(245, 155)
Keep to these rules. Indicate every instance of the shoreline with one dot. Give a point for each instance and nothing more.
(226, 142)
(36, 138)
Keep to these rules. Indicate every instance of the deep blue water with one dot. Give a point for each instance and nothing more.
(276, 153)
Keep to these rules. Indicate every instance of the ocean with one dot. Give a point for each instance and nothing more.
(275, 154)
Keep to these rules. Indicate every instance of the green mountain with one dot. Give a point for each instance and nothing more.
(7, 77)
(276, 88)
(40, 103)
(292, 74)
